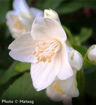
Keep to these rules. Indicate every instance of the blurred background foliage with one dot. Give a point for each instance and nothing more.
(78, 18)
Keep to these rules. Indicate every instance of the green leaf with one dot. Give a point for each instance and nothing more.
(81, 82)
(1, 73)
(15, 69)
(68, 33)
(72, 6)
(4, 56)
(47, 4)
(4, 7)
(69, 7)
(21, 67)
(84, 34)
(22, 89)
(90, 78)
(89, 4)
(11, 72)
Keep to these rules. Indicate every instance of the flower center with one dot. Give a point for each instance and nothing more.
(46, 50)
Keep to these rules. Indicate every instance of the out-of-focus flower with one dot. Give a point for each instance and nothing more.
(92, 53)
(46, 49)
(21, 18)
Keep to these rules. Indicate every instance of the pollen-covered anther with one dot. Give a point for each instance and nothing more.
(43, 58)
(53, 53)
(36, 44)
(37, 54)
(34, 52)
(49, 58)
(43, 43)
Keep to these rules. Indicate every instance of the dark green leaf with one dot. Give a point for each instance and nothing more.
(11, 72)
(21, 67)
(69, 7)
(72, 6)
(4, 7)
(22, 89)
(81, 82)
(47, 4)
(84, 34)
(90, 81)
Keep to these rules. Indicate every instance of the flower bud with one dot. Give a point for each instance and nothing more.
(92, 53)
(76, 59)
(51, 14)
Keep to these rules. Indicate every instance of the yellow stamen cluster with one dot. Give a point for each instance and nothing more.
(46, 50)
(18, 24)
(57, 87)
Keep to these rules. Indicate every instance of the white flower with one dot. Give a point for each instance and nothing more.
(21, 18)
(46, 49)
(92, 53)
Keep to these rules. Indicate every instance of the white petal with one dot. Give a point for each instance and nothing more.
(22, 48)
(43, 74)
(65, 70)
(44, 28)
(53, 94)
(76, 59)
(11, 15)
(36, 11)
(49, 13)
(69, 86)
(21, 6)
(56, 96)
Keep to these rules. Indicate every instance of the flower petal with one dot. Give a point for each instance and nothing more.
(56, 96)
(43, 74)
(22, 48)
(51, 14)
(69, 86)
(65, 69)
(11, 15)
(21, 6)
(44, 28)
(36, 12)
(53, 94)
